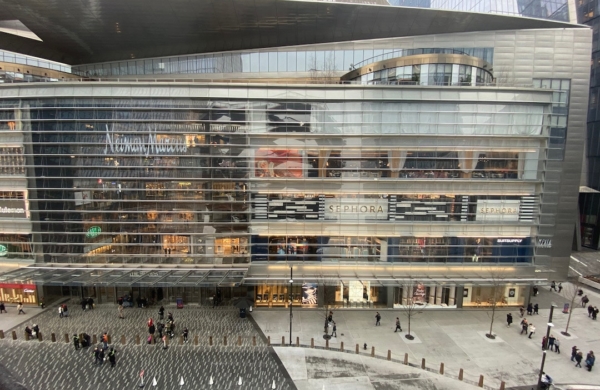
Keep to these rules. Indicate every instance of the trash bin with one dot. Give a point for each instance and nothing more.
(242, 313)
(179, 302)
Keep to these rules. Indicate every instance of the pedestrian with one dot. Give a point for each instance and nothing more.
(553, 286)
(20, 308)
(531, 330)
(84, 304)
(164, 340)
(36, 331)
(551, 341)
(509, 319)
(584, 300)
(121, 316)
(76, 341)
(590, 360)
(86, 340)
(559, 287)
(28, 332)
(536, 308)
(529, 309)
(573, 353)
(185, 334)
(556, 345)
(150, 322)
(544, 343)
(170, 317)
(161, 313)
(330, 317)
(590, 310)
(377, 319)
(578, 359)
(524, 326)
(595, 313)
(535, 291)
(65, 310)
(60, 311)
(104, 340)
(398, 326)
(101, 356)
(160, 327)
(521, 311)
(2, 308)
(96, 354)
(334, 331)
(112, 358)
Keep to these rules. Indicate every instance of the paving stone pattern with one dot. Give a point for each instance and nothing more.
(47, 365)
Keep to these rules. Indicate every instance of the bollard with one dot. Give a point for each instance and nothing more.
(40, 336)
(210, 341)
(224, 340)
(180, 340)
(357, 349)
(283, 341)
(326, 344)
(268, 340)
(1, 334)
(66, 338)
(372, 351)
(254, 341)
(423, 363)
(137, 339)
(442, 368)
(460, 375)
(342, 346)
(502, 385)
(480, 384)
(196, 340)
(389, 354)
(53, 338)
(297, 341)
(406, 359)
(312, 343)
(123, 341)
(26, 336)
(109, 339)
(14, 335)
(94, 339)
(239, 340)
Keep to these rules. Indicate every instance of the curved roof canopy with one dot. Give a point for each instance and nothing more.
(88, 31)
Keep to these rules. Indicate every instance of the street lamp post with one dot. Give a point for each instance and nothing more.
(545, 345)
(291, 301)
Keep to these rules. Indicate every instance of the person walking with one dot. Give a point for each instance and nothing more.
(590, 310)
(28, 333)
(560, 287)
(531, 330)
(553, 286)
(121, 315)
(535, 291)
(521, 311)
(578, 359)
(595, 313)
(104, 339)
(524, 326)
(65, 310)
(584, 300)
(551, 341)
(112, 358)
(398, 326)
(509, 320)
(20, 308)
(97, 354)
(556, 345)
(185, 334)
(36, 331)
(60, 311)
(330, 317)
(377, 319)
(536, 308)
(334, 331)
(101, 356)
(529, 309)
(590, 359)
(76, 341)
(2, 308)
(573, 353)
(544, 343)
(161, 313)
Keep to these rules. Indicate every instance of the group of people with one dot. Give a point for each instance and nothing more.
(100, 356)
(526, 326)
(577, 357)
(592, 312)
(32, 332)
(164, 330)
(84, 341)
(552, 343)
(87, 304)
(19, 308)
(63, 310)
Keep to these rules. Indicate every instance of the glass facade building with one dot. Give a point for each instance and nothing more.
(440, 161)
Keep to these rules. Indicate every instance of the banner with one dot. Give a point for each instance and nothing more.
(278, 163)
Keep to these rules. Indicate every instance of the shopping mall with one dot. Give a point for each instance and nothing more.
(294, 157)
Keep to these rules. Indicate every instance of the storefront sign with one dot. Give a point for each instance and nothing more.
(355, 209)
(94, 231)
(153, 144)
(509, 240)
(28, 290)
(545, 243)
(498, 210)
(309, 293)
(13, 209)
(3, 251)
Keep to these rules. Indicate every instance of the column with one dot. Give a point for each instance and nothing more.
(390, 296)
(404, 294)
(452, 296)
(438, 295)
(432, 295)
(459, 296)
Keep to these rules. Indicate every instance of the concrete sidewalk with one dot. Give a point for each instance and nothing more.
(457, 338)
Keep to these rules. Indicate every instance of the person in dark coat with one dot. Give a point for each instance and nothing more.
(28, 331)
(97, 354)
(101, 356)
(536, 308)
(578, 359)
(112, 358)
(36, 331)
(76, 341)
(2, 308)
(377, 319)
(161, 313)
(185, 334)
(509, 319)
(590, 359)
(529, 309)
(590, 310)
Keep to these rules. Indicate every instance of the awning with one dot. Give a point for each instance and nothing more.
(126, 276)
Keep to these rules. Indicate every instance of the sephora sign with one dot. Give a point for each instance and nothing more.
(146, 145)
